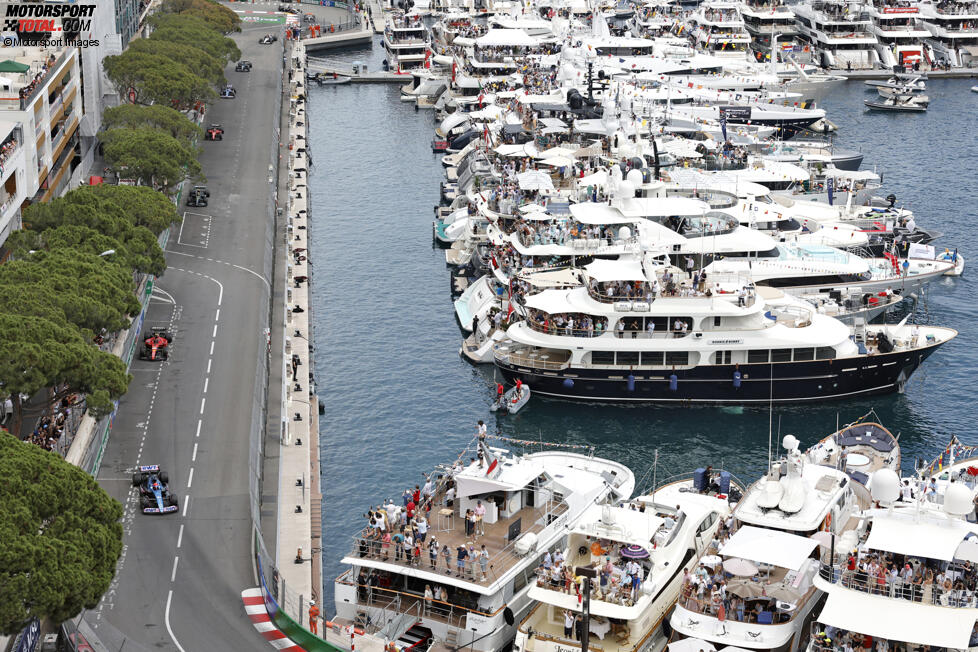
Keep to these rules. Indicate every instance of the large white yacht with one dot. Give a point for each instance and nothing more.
(719, 29)
(953, 27)
(406, 42)
(530, 502)
(662, 536)
(635, 331)
(900, 35)
(841, 31)
(771, 558)
(904, 578)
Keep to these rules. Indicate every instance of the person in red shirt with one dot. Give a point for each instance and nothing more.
(410, 510)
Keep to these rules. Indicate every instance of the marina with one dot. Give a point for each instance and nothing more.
(548, 239)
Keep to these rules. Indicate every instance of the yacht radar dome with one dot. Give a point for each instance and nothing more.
(885, 486)
(957, 500)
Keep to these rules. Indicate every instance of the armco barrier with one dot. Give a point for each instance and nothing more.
(296, 632)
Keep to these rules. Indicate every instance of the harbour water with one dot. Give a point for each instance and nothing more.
(399, 399)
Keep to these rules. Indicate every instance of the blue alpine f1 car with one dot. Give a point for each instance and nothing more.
(154, 490)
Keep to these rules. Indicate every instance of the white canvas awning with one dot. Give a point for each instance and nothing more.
(511, 37)
(626, 269)
(898, 620)
(774, 547)
(593, 213)
(931, 540)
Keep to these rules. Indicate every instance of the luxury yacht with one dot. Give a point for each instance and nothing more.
(904, 576)
(953, 27)
(635, 331)
(640, 551)
(719, 29)
(769, 558)
(841, 32)
(406, 42)
(900, 36)
(529, 503)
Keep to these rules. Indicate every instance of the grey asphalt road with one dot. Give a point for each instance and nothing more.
(178, 584)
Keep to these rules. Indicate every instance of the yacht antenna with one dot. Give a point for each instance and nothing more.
(655, 464)
(770, 420)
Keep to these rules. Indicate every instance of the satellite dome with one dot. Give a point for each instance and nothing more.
(957, 500)
(624, 233)
(791, 442)
(635, 177)
(885, 486)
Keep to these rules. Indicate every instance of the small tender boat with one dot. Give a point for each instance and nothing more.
(952, 257)
(905, 103)
(974, 89)
(332, 80)
(512, 401)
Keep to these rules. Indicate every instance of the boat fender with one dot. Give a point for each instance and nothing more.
(568, 383)
(673, 382)
(631, 383)
(736, 380)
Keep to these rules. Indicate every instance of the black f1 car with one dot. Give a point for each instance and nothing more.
(154, 491)
(267, 39)
(156, 345)
(214, 132)
(243, 66)
(198, 196)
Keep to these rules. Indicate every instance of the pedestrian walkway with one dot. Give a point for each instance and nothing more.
(254, 605)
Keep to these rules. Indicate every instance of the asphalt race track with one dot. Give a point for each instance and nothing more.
(179, 581)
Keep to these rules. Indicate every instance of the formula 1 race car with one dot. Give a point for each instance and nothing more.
(267, 39)
(214, 132)
(228, 92)
(198, 196)
(243, 66)
(154, 490)
(156, 345)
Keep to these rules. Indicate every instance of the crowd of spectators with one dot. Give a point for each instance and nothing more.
(27, 90)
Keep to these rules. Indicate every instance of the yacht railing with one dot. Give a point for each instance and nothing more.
(898, 588)
(634, 333)
(412, 605)
(688, 477)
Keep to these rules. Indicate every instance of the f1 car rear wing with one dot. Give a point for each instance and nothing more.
(151, 467)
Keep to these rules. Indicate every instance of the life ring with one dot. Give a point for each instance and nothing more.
(827, 524)
(806, 48)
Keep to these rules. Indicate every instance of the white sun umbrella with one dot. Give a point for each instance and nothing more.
(691, 645)
(558, 161)
(535, 180)
(740, 567)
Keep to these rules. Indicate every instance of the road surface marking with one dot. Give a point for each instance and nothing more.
(180, 536)
(206, 381)
(223, 262)
(199, 423)
(173, 573)
(214, 334)
(202, 402)
(193, 458)
(212, 347)
(190, 478)
(185, 503)
(169, 630)
(218, 315)
(208, 365)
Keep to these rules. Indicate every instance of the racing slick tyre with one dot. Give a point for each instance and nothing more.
(164, 477)
(168, 337)
(164, 355)
(145, 501)
(137, 479)
(142, 354)
(171, 501)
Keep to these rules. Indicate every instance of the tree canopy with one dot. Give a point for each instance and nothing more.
(61, 536)
(189, 30)
(196, 60)
(160, 117)
(150, 155)
(155, 79)
(214, 14)
(37, 353)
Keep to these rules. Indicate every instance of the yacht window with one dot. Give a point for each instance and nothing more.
(825, 353)
(628, 357)
(723, 357)
(653, 358)
(780, 355)
(677, 357)
(717, 320)
(603, 357)
(707, 522)
(757, 355)
(804, 354)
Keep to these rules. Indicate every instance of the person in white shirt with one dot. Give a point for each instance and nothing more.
(480, 512)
